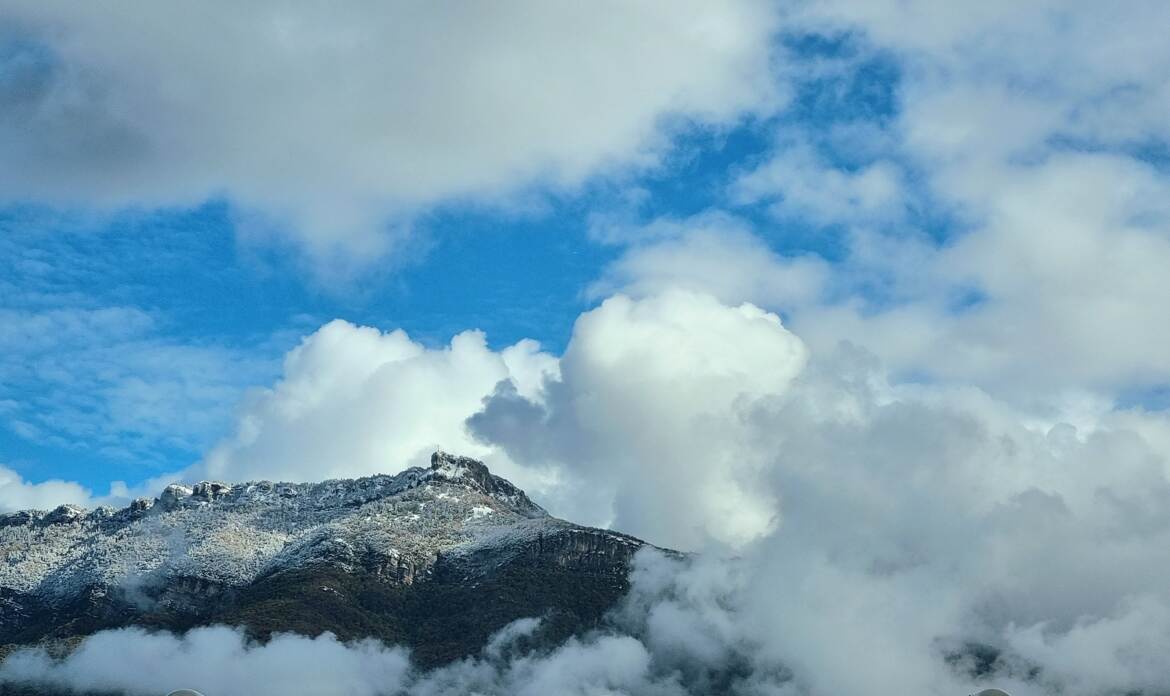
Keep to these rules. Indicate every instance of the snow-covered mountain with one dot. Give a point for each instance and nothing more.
(436, 558)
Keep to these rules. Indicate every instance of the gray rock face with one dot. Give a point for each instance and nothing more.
(259, 553)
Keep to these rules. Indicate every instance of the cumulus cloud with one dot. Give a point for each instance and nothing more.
(643, 381)
(356, 401)
(336, 124)
(643, 423)
(916, 523)
(18, 494)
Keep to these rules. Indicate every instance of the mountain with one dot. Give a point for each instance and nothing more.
(435, 558)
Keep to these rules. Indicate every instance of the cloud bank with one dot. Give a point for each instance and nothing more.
(216, 660)
(335, 125)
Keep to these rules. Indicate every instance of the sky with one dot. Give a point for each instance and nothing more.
(870, 296)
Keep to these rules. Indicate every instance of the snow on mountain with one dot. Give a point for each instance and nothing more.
(230, 535)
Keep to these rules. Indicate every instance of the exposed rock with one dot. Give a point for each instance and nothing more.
(453, 468)
(141, 505)
(210, 490)
(173, 495)
(64, 514)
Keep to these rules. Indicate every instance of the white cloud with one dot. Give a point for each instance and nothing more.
(18, 494)
(221, 660)
(919, 520)
(355, 401)
(1099, 71)
(644, 423)
(799, 184)
(1125, 651)
(1031, 135)
(217, 660)
(1066, 245)
(914, 516)
(712, 253)
(1068, 262)
(339, 123)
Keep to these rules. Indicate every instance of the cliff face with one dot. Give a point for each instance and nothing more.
(436, 559)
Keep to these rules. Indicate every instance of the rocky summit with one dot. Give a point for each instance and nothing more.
(435, 558)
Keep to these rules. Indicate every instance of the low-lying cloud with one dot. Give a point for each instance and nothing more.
(704, 625)
(216, 660)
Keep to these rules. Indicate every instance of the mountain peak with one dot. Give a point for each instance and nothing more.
(234, 533)
(454, 468)
(245, 552)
